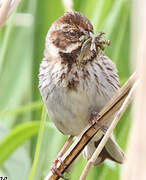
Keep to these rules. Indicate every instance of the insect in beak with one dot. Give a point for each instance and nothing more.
(84, 48)
(100, 41)
(95, 42)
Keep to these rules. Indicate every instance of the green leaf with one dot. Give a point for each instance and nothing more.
(23, 109)
(17, 137)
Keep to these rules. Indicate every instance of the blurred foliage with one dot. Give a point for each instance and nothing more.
(21, 51)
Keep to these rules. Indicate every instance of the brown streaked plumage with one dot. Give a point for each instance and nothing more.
(76, 78)
(75, 19)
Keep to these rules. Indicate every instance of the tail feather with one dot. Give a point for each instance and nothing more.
(114, 150)
(111, 151)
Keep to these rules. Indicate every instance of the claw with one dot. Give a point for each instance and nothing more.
(94, 119)
(63, 164)
(56, 171)
(54, 166)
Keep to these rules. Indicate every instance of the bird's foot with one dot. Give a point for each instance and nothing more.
(56, 171)
(54, 166)
(94, 119)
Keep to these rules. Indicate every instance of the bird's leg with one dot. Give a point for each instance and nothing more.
(62, 151)
(94, 119)
(58, 159)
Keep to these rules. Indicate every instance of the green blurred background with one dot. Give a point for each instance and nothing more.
(29, 142)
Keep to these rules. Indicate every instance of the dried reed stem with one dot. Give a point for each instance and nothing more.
(6, 8)
(90, 131)
(14, 5)
(109, 132)
(68, 5)
(135, 166)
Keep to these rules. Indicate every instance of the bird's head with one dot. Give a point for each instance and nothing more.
(73, 38)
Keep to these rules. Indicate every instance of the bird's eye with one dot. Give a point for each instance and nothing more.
(73, 32)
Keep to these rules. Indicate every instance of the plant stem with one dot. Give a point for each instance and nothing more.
(38, 146)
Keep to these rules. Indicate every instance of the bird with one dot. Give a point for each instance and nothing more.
(77, 79)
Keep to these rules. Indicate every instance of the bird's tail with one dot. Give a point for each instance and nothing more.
(110, 151)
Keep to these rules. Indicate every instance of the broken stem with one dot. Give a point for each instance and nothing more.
(109, 132)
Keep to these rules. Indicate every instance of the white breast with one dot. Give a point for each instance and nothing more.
(70, 110)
